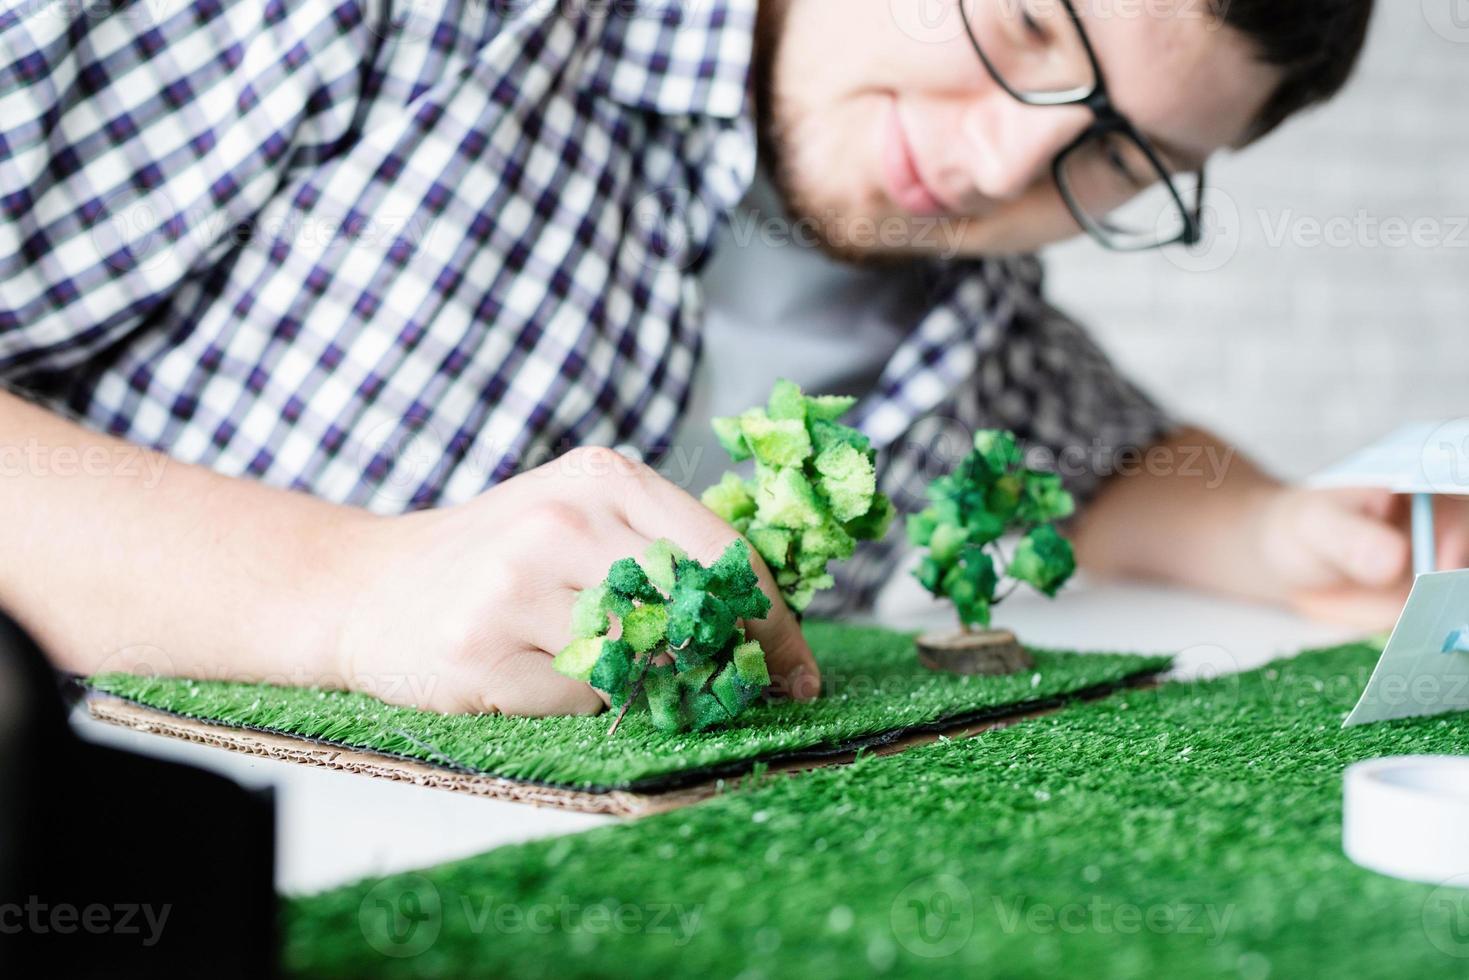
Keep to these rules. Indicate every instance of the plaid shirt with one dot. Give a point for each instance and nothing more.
(393, 253)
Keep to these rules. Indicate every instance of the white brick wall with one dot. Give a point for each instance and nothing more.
(1304, 329)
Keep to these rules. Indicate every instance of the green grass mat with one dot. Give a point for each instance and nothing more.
(875, 691)
(1187, 830)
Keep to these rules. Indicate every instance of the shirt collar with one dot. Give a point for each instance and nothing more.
(678, 57)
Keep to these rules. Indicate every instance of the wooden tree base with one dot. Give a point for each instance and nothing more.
(983, 652)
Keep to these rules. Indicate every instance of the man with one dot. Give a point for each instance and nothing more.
(353, 267)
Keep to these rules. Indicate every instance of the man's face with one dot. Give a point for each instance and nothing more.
(888, 133)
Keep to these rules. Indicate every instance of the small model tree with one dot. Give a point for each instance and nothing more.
(989, 495)
(814, 493)
(680, 653)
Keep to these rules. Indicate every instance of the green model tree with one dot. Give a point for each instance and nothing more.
(680, 653)
(814, 493)
(990, 494)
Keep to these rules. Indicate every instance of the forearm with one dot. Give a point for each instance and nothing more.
(116, 557)
(1192, 511)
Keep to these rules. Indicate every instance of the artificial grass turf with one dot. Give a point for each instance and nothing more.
(874, 689)
(1187, 830)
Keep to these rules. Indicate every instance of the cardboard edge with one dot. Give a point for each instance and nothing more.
(617, 803)
(126, 714)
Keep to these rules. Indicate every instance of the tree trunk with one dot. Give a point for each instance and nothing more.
(973, 652)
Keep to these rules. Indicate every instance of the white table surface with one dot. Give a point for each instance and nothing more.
(335, 827)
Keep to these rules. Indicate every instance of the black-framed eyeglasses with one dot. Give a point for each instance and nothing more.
(1113, 180)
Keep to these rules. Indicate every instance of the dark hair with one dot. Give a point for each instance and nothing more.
(1315, 43)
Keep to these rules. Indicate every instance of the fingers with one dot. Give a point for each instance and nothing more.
(550, 631)
(607, 542)
(1452, 525)
(1376, 502)
(525, 683)
(1358, 545)
(604, 543)
(655, 508)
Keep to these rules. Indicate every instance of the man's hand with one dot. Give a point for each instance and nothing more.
(137, 562)
(1340, 555)
(1345, 555)
(462, 609)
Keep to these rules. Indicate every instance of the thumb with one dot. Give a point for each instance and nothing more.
(1362, 548)
(656, 508)
(793, 670)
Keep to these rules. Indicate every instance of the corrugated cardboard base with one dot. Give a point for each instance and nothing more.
(619, 803)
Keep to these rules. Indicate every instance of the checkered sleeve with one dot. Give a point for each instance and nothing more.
(389, 253)
(136, 139)
(1036, 373)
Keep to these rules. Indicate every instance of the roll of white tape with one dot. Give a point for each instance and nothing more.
(1408, 816)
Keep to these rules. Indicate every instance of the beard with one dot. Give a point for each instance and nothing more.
(780, 141)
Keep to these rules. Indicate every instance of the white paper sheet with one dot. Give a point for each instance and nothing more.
(1424, 669)
(1426, 457)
